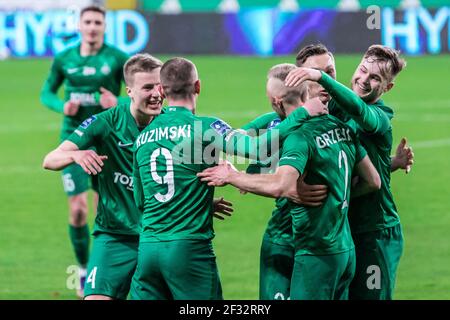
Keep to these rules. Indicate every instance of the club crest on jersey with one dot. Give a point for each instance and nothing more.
(221, 127)
(273, 123)
(105, 69)
(86, 123)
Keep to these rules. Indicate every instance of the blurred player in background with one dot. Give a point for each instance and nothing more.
(91, 73)
(374, 220)
(112, 133)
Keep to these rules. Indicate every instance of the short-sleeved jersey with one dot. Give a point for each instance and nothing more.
(328, 150)
(113, 133)
(82, 77)
(169, 154)
(279, 227)
(372, 123)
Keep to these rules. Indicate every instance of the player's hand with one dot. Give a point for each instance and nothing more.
(404, 157)
(222, 208)
(71, 108)
(107, 99)
(309, 195)
(89, 160)
(217, 176)
(301, 74)
(315, 107)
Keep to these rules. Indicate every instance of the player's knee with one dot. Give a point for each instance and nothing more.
(78, 210)
(97, 297)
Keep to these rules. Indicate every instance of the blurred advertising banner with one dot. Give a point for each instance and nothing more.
(260, 31)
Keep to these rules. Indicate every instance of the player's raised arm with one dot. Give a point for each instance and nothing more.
(372, 120)
(68, 153)
(238, 142)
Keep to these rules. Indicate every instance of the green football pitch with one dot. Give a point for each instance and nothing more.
(34, 245)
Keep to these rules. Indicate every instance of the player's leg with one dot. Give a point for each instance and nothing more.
(190, 270)
(75, 183)
(147, 282)
(343, 285)
(111, 266)
(276, 264)
(377, 257)
(317, 277)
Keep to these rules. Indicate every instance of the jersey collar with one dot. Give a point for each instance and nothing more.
(177, 109)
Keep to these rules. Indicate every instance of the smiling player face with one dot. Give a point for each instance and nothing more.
(368, 81)
(144, 93)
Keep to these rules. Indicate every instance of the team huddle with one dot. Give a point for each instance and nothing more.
(324, 154)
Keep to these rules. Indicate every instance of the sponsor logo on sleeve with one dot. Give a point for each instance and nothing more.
(273, 124)
(86, 123)
(220, 127)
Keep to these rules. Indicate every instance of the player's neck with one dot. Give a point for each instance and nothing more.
(142, 120)
(189, 104)
(288, 109)
(90, 49)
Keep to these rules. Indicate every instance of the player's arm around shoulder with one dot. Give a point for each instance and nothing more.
(274, 185)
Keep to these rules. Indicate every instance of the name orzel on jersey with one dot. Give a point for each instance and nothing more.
(197, 144)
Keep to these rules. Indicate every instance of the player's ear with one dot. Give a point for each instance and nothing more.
(128, 91)
(197, 87)
(277, 100)
(389, 86)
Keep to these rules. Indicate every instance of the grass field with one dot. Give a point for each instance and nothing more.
(34, 245)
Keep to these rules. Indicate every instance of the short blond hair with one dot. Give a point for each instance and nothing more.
(141, 62)
(290, 95)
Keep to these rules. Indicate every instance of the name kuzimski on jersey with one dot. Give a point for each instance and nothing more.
(168, 133)
(333, 136)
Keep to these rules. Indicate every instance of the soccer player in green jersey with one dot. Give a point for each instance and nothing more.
(91, 73)
(277, 248)
(374, 220)
(176, 259)
(112, 133)
(326, 148)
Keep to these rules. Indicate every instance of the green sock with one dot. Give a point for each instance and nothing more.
(80, 237)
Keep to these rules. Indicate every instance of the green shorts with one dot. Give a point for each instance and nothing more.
(377, 257)
(76, 181)
(275, 271)
(111, 265)
(178, 270)
(324, 277)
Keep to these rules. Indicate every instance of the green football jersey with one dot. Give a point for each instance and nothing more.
(169, 154)
(279, 227)
(82, 78)
(328, 150)
(372, 123)
(113, 133)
